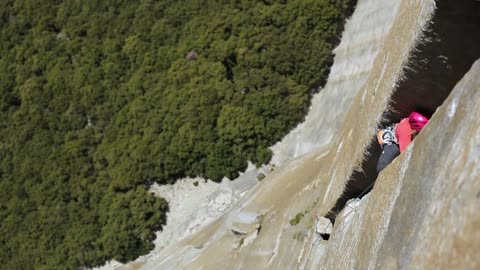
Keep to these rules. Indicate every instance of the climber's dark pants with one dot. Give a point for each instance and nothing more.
(389, 153)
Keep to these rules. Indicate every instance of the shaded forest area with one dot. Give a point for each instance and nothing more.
(98, 100)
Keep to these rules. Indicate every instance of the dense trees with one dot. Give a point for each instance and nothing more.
(97, 100)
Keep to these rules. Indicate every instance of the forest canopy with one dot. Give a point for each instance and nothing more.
(101, 98)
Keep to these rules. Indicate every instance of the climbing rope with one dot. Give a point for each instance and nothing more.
(313, 247)
(358, 197)
(330, 224)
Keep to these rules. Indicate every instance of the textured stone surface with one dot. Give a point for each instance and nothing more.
(362, 39)
(323, 226)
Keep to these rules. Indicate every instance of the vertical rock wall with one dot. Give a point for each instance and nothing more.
(421, 213)
(362, 39)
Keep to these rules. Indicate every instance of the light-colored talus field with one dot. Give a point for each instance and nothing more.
(422, 211)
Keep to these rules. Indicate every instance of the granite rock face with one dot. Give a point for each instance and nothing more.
(421, 211)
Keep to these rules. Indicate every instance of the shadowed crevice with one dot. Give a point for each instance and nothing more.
(449, 48)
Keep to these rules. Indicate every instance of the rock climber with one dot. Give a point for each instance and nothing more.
(394, 139)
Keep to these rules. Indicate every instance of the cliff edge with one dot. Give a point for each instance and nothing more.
(395, 56)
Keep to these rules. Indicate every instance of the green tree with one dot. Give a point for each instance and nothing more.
(98, 100)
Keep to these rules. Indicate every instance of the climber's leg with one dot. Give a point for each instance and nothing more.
(390, 152)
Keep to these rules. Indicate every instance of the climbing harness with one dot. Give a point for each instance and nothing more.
(387, 136)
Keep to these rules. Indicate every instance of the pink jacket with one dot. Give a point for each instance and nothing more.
(403, 134)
